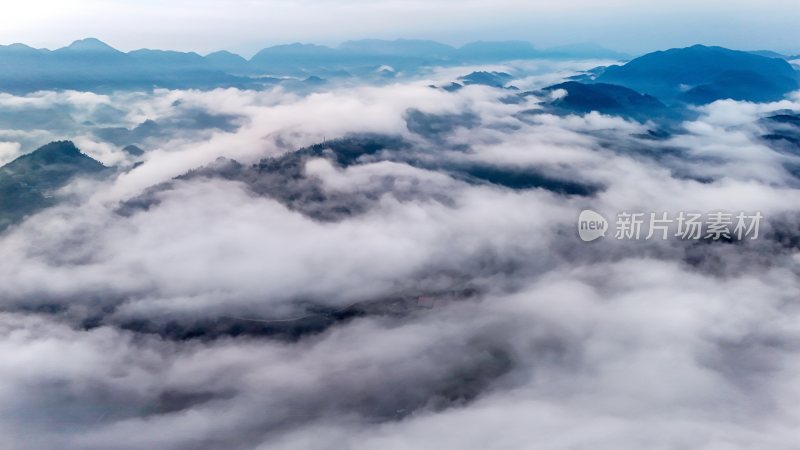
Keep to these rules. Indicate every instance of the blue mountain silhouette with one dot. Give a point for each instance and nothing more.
(701, 74)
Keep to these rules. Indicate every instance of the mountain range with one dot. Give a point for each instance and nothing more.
(694, 75)
(90, 64)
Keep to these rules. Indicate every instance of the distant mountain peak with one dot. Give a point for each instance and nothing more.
(57, 151)
(27, 184)
(607, 99)
(225, 57)
(58, 156)
(223, 53)
(91, 45)
(509, 43)
(18, 47)
(493, 79)
(59, 146)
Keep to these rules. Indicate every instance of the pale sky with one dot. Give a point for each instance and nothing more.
(245, 26)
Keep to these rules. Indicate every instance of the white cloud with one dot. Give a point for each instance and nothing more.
(9, 151)
(495, 327)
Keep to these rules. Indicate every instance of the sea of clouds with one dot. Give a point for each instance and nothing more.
(511, 332)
